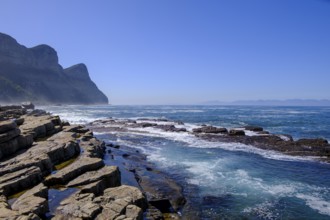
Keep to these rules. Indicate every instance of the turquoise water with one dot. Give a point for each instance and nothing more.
(230, 180)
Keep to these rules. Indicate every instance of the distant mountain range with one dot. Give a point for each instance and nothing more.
(34, 74)
(288, 102)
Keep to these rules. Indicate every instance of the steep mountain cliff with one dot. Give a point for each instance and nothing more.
(34, 74)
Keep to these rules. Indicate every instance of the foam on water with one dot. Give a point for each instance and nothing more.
(316, 203)
(196, 142)
(240, 182)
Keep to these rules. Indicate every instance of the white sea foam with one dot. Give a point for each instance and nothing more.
(193, 141)
(316, 203)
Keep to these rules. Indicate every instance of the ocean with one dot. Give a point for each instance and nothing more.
(228, 180)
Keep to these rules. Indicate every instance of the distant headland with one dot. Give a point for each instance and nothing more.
(34, 74)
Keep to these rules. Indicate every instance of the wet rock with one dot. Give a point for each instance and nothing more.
(153, 213)
(210, 130)
(158, 187)
(146, 125)
(171, 128)
(79, 167)
(78, 206)
(163, 205)
(319, 142)
(235, 132)
(253, 128)
(123, 202)
(110, 174)
(33, 201)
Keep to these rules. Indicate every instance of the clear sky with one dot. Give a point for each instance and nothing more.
(184, 51)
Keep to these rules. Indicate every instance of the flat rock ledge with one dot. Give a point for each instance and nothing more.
(40, 153)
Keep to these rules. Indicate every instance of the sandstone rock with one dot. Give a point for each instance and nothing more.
(78, 206)
(33, 201)
(210, 130)
(92, 147)
(4, 137)
(123, 202)
(134, 212)
(110, 174)
(40, 126)
(12, 183)
(129, 193)
(80, 166)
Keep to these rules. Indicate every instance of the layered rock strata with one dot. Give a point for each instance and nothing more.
(42, 154)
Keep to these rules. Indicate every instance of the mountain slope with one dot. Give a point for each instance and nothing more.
(34, 74)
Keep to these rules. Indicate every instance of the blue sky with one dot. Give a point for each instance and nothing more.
(184, 51)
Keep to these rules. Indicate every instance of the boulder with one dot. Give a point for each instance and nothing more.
(210, 130)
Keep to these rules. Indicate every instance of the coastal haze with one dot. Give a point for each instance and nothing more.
(155, 110)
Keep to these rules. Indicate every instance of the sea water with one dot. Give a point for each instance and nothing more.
(229, 180)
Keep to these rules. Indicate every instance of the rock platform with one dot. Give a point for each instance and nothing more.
(39, 153)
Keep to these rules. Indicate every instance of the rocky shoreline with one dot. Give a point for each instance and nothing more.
(53, 170)
(255, 136)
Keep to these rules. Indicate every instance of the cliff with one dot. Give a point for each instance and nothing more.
(34, 74)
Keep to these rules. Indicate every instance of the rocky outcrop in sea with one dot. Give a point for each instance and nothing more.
(34, 74)
(249, 135)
